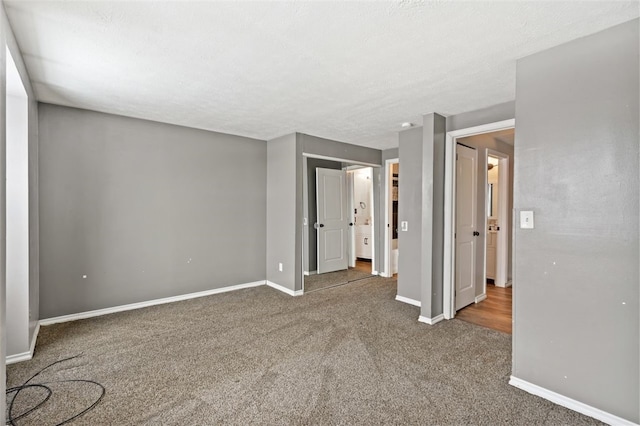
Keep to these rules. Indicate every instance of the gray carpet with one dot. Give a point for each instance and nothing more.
(332, 279)
(346, 355)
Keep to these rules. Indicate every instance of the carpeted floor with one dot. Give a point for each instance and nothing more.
(346, 355)
(332, 279)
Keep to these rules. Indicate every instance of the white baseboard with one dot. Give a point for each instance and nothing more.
(122, 308)
(431, 321)
(25, 356)
(481, 297)
(284, 289)
(409, 301)
(509, 283)
(569, 403)
(374, 273)
(309, 273)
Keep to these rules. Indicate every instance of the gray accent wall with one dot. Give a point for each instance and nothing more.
(421, 204)
(134, 210)
(490, 114)
(434, 126)
(282, 190)
(410, 193)
(576, 291)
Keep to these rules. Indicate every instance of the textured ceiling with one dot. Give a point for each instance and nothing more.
(346, 71)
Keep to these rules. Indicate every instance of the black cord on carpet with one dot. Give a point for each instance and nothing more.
(26, 385)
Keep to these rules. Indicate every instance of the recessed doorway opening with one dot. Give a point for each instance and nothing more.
(477, 219)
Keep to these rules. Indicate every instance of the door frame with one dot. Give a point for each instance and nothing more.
(388, 234)
(449, 254)
(374, 252)
(502, 263)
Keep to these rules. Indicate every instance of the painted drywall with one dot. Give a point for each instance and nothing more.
(433, 135)
(17, 217)
(4, 28)
(134, 210)
(491, 114)
(281, 211)
(311, 247)
(33, 199)
(576, 291)
(482, 143)
(410, 193)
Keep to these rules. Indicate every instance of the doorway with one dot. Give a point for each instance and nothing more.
(339, 220)
(391, 247)
(465, 263)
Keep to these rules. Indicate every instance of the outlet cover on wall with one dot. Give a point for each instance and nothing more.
(280, 267)
(404, 225)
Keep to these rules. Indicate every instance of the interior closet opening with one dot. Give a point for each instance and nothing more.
(339, 238)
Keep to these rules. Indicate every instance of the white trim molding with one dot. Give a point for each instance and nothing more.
(131, 306)
(431, 321)
(284, 289)
(25, 356)
(449, 252)
(570, 403)
(409, 301)
(480, 298)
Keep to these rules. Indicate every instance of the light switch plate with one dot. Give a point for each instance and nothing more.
(526, 219)
(404, 225)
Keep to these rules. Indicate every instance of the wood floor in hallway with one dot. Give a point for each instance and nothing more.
(493, 312)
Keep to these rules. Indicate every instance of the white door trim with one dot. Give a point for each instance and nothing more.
(502, 262)
(388, 234)
(450, 208)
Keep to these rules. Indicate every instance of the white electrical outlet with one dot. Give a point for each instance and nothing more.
(280, 267)
(404, 225)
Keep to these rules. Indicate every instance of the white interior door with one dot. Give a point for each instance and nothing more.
(466, 227)
(332, 226)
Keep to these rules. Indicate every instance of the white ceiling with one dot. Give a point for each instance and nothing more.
(341, 70)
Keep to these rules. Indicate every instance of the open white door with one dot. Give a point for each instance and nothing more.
(332, 226)
(466, 229)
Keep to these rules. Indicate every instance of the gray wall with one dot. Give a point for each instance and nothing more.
(282, 188)
(434, 138)
(410, 194)
(145, 210)
(491, 114)
(311, 248)
(576, 274)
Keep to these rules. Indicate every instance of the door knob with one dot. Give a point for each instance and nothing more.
(351, 224)
(475, 233)
(321, 225)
